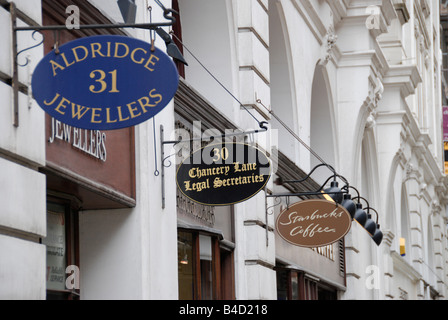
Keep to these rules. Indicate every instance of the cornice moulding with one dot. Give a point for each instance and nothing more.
(405, 76)
(402, 265)
(339, 9)
(373, 58)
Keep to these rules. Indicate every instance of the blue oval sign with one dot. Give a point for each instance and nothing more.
(104, 82)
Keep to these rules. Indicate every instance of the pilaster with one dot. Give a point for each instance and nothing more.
(255, 233)
(253, 53)
(22, 152)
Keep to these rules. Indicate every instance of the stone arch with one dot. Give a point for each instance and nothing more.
(323, 137)
(282, 81)
(369, 168)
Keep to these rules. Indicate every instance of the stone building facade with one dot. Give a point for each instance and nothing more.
(356, 82)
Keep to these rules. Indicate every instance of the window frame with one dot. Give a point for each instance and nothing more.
(71, 217)
(218, 291)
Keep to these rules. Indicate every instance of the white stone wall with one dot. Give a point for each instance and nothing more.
(384, 108)
(132, 253)
(22, 186)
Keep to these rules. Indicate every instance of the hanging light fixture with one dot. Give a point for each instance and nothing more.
(370, 225)
(378, 235)
(342, 197)
(333, 192)
(184, 260)
(365, 219)
(360, 215)
(349, 205)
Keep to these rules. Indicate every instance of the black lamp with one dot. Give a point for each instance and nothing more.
(360, 215)
(128, 10)
(370, 225)
(378, 235)
(334, 192)
(349, 205)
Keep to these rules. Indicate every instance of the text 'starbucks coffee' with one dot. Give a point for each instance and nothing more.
(313, 223)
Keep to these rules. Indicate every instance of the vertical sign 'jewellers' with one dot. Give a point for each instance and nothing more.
(313, 223)
(104, 82)
(223, 174)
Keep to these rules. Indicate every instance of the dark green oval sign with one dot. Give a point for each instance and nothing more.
(223, 174)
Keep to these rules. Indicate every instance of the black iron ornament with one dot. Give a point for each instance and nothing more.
(171, 49)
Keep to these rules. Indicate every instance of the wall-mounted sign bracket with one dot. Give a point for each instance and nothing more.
(337, 195)
(167, 13)
(166, 162)
(277, 197)
(327, 193)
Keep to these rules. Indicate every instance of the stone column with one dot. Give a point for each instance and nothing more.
(255, 241)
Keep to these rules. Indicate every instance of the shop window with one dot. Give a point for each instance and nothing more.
(205, 270)
(326, 293)
(282, 284)
(62, 276)
(185, 265)
(205, 254)
(296, 285)
(227, 275)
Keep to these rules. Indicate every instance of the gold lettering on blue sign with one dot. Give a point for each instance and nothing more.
(151, 62)
(117, 46)
(75, 53)
(118, 50)
(133, 109)
(52, 101)
(79, 113)
(133, 55)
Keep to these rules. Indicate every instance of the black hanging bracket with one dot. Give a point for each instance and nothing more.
(166, 163)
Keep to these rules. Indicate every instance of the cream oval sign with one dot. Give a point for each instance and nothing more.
(313, 223)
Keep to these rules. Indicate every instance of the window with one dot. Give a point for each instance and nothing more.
(62, 252)
(185, 265)
(282, 284)
(404, 223)
(205, 270)
(297, 285)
